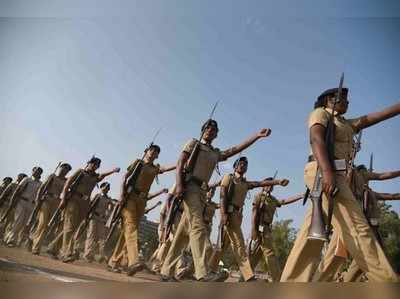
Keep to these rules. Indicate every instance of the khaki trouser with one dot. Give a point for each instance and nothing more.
(233, 236)
(349, 221)
(179, 243)
(266, 250)
(353, 274)
(331, 264)
(119, 258)
(55, 245)
(46, 211)
(129, 237)
(74, 213)
(159, 255)
(22, 212)
(8, 224)
(95, 238)
(194, 202)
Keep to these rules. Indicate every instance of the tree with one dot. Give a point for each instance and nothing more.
(283, 236)
(389, 229)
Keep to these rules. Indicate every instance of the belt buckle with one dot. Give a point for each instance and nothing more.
(230, 209)
(261, 228)
(373, 221)
(340, 165)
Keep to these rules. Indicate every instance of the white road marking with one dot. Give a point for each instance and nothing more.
(51, 276)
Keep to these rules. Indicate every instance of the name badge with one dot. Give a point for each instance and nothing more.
(261, 228)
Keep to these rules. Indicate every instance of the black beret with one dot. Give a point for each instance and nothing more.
(332, 91)
(94, 160)
(66, 165)
(244, 159)
(102, 185)
(209, 123)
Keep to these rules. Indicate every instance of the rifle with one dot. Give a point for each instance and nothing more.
(318, 229)
(220, 237)
(366, 189)
(253, 247)
(153, 207)
(39, 201)
(355, 150)
(57, 214)
(189, 167)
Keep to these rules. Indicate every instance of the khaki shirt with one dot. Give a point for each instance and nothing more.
(206, 162)
(268, 205)
(87, 183)
(345, 130)
(146, 177)
(31, 188)
(100, 210)
(241, 186)
(55, 187)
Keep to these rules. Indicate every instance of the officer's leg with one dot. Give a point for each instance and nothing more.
(270, 257)
(179, 243)
(235, 235)
(358, 236)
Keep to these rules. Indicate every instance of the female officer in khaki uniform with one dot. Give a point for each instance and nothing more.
(348, 219)
(189, 184)
(76, 202)
(50, 200)
(336, 254)
(264, 208)
(134, 204)
(231, 207)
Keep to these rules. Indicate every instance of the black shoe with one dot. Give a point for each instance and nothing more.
(52, 254)
(215, 277)
(88, 259)
(164, 278)
(252, 279)
(69, 259)
(113, 269)
(35, 252)
(132, 270)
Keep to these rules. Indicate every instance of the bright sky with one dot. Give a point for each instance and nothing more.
(89, 78)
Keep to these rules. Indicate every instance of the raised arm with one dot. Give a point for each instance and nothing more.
(265, 183)
(387, 196)
(254, 221)
(102, 176)
(373, 176)
(376, 117)
(167, 168)
(291, 199)
(238, 148)
(154, 195)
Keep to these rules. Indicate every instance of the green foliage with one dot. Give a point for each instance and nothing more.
(390, 231)
(283, 236)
